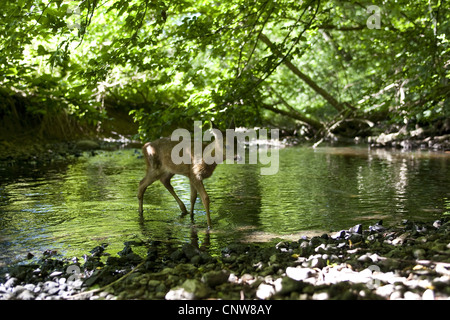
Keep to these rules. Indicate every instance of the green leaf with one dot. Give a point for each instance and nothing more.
(11, 71)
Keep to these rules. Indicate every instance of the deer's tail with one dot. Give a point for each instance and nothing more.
(151, 157)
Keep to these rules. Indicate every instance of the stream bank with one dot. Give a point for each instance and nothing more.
(410, 261)
(18, 146)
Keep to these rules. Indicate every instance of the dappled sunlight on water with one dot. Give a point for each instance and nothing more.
(76, 205)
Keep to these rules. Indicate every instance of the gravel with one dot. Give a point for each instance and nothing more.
(410, 261)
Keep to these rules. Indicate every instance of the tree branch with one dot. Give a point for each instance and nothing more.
(330, 99)
(294, 115)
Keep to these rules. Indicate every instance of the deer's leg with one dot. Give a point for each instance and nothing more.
(198, 184)
(148, 180)
(193, 199)
(165, 180)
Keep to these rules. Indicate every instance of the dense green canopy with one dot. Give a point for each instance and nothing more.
(309, 65)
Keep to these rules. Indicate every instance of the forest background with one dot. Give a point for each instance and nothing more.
(317, 70)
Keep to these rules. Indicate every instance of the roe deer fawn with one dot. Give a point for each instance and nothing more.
(160, 166)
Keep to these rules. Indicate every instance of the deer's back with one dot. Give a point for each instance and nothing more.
(158, 155)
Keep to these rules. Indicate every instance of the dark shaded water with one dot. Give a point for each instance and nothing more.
(74, 206)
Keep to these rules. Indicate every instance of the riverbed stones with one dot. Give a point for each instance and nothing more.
(190, 289)
(355, 263)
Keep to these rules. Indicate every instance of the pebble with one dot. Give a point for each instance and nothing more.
(385, 291)
(26, 295)
(299, 274)
(55, 274)
(10, 283)
(247, 278)
(411, 296)
(428, 295)
(320, 296)
(190, 289)
(179, 294)
(317, 262)
(396, 295)
(265, 291)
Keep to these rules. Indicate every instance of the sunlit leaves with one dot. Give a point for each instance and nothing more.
(177, 61)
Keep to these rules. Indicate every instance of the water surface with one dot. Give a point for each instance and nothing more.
(73, 206)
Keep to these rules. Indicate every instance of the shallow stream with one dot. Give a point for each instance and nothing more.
(72, 206)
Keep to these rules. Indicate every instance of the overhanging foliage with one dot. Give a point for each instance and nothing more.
(232, 62)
